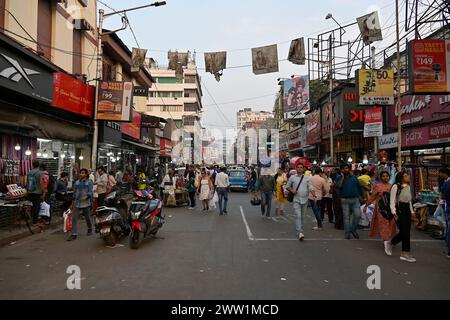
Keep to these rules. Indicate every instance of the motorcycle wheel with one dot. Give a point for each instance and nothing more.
(135, 239)
(111, 239)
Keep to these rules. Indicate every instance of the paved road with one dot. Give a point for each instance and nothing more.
(206, 256)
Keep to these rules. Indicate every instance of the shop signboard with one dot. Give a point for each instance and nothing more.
(337, 119)
(72, 95)
(429, 66)
(373, 122)
(165, 147)
(23, 72)
(294, 138)
(375, 87)
(133, 129)
(110, 132)
(313, 128)
(420, 109)
(140, 91)
(388, 141)
(415, 137)
(440, 133)
(115, 101)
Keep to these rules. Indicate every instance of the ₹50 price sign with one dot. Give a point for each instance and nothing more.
(429, 66)
(115, 101)
(375, 86)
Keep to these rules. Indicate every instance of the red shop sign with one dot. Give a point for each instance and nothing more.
(133, 129)
(165, 147)
(421, 109)
(415, 137)
(440, 133)
(72, 95)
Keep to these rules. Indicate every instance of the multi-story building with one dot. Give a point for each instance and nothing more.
(172, 97)
(248, 116)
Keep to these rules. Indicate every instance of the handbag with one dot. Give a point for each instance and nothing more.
(44, 210)
(291, 195)
(255, 201)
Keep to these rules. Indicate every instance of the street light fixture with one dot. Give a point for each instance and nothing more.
(330, 16)
(350, 160)
(99, 74)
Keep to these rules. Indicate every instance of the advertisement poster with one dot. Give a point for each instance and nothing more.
(373, 122)
(388, 141)
(265, 59)
(440, 133)
(313, 128)
(115, 101)
(133, 129)
(297, 51)
(375, 87)
(296, 97)
(429, 66)
(370, 28)
(72, 95)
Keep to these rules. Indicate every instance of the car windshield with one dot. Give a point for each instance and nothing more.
(237, 174)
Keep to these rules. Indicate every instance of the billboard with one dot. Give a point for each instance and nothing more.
(375, 87)
(373, 122)
(265, 59)
(370, 28)
(429, 66)
(133, 129)
(313, 128)
(296, 97)
(114, 101)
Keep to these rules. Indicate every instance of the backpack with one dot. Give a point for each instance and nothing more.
(384, 204)
(32, 181)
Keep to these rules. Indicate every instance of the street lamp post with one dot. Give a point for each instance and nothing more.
(102, 17)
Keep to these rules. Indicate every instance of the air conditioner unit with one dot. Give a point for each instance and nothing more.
(81, 24)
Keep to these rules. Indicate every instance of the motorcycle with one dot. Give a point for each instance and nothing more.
(110, 219)
(145, 216)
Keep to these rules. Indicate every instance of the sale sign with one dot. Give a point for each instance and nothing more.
(373, 122)
(429, 66)
(375, 87)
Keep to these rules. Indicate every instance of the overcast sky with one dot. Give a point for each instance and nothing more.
(216, 25)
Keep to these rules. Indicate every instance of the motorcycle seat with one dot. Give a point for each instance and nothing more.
(153, 205)
(104, 209)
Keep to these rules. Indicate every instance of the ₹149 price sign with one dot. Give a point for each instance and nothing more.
(429, 68)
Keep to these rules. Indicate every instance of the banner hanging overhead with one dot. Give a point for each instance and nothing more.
(370, 28)
(296, 97)
(215, 62)
(429, 66)
(178, 60)
(297, 51)
(375, 87)
(265, 59)
(373, 122)
(137, 59)
(115, 101)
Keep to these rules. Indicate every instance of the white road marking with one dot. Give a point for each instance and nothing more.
(249, 232)
(331, 239)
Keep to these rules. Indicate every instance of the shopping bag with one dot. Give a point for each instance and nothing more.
(67, 215)
(215, 198)
(44, 210)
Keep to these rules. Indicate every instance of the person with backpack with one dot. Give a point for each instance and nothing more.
(36, 190)
(382, 225)
(402, 209)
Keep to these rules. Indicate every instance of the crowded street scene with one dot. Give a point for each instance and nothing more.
(152, 151)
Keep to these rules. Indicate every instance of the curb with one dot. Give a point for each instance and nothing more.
(58, 221)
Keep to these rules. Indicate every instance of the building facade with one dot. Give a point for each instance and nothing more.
(246, 116)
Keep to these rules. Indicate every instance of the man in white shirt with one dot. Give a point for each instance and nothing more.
(222, 183)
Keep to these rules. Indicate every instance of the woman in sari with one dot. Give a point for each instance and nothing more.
(280, 180)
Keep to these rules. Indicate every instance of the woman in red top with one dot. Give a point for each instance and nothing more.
(380, 226)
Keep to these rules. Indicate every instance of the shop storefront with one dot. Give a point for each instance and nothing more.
(313, 135)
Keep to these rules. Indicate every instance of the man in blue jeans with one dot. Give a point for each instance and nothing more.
(350, 191)
(222, 183)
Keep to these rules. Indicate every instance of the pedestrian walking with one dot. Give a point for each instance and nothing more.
(327, 200)
(204, 190)
(402, 209)
(380, 226)
(192, 189)
(36, 190)
(119, 175)
(111, 184)
(336, 199)
(320, 188)
(350, 192)
(444, 173)
(253, 179)
(300, 186)
(366, 183)
(280, 181)
(266, 187)
(61, 191)
(101, 183)
(222, 184)
(82, 203)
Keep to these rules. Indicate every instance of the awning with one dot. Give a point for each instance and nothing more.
(141, 145)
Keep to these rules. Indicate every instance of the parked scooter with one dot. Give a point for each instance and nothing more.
(110, 219)
(145, 216)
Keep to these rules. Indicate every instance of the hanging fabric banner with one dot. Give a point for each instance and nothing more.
(215, 62)
(178, 60)
(297, 51)
(370, 28)
(137, 59)
(265, 59)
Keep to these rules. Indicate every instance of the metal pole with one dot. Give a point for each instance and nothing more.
(399, 123)
(331, 103)
(99, 78)
(375, 139)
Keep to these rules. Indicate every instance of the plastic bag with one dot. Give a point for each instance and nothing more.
(44, 209)
(67, 220)
(366, 217)
(214, 200)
